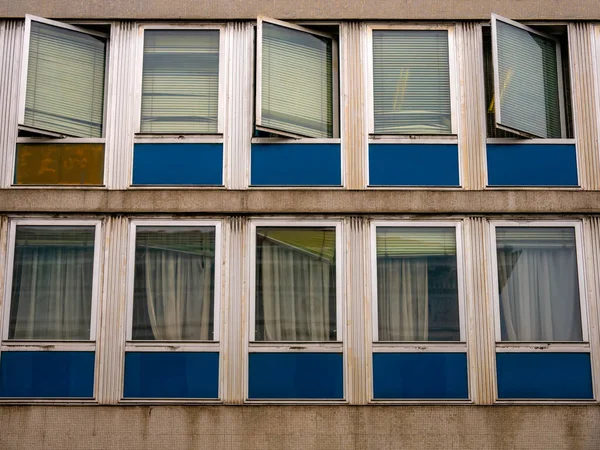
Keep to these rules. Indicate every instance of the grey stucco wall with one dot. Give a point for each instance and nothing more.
(300, 427)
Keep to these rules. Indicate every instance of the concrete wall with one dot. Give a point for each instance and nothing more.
(300, 427)
(306, 9)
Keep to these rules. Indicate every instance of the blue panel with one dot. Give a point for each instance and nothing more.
(171, 375)
(532, 165)
(296, 376)
(413, 165)
(420, 376)
(47, 374)
(544, 375)
(178, 164)
(296, 165)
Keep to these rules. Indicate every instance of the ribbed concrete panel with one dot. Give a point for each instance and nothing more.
(234, 311)
(472, 105)
(3, 252)
(581, 48)
(111, 337)
(238, 105)
(480, 316)
(353, 121)
(11, 40)
(591, 230)
(358, 311)
(120, 108)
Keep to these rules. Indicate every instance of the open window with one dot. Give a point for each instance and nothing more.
(528, 96)
(63, 80)
(296, 81)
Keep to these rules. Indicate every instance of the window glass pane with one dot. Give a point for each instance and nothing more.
(180, 81)
(417, 288)
(65, 81)
(411, 82)
(174, 278)
(528, 82)
(538, 285)
(52, 283)
(296, 82)
(295, 284)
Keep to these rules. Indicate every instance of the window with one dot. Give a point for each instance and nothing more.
(63, 80)
(296, 81)
(412, 79)
(417, 289)
(181, 91)
(296, 284)
(538, 284)
(53, 279)
(526, 81)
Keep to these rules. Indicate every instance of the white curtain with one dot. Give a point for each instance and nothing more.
(539, 295)
(52, 293)
(178, 292)
(403, 299)
(296, 293)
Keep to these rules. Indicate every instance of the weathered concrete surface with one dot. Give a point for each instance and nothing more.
(300, 427)
(214, 201)
(306, 9)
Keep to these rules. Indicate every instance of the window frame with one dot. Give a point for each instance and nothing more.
(561, 86)
(139, 65)
(48, 134)
(335, 82)
(410, 346)
(453, 82)
(536, 346)
(57, 344)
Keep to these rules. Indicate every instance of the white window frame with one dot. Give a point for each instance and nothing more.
(420, 346)
(85, 345)
(222, 95)
(452, 137)
(335, 83)
(23, 81)
(561, 91)
(539, 346)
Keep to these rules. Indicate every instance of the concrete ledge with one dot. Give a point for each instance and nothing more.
(214, 201)
(307, 9)
(300, 427)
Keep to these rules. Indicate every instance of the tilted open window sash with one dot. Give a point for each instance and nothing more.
(62, 80)
(295, 80)
(528, 86)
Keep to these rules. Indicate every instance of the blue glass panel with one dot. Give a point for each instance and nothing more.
(171, 375)
(413, 165)
(532, 165)
(544, 375)
(47, 374)
(296, 165)
(178, 164)
(296, 376)
(420, 376)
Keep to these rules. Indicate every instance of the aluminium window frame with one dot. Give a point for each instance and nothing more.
(454, 93)
(335, 84)
(559, 64)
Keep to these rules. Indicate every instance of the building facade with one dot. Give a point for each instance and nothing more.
(315, 225)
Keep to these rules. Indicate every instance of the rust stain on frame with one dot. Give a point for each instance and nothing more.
(60, 164)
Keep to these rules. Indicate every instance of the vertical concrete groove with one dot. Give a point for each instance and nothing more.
(358, 317)
(112, 309)
(3, 262)
(234, 311)
(480, 316)
(581, 48)
(238, 104)
(11, 43)
(591, 230)
(353, 132)
(472, 132)
(120, 108)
